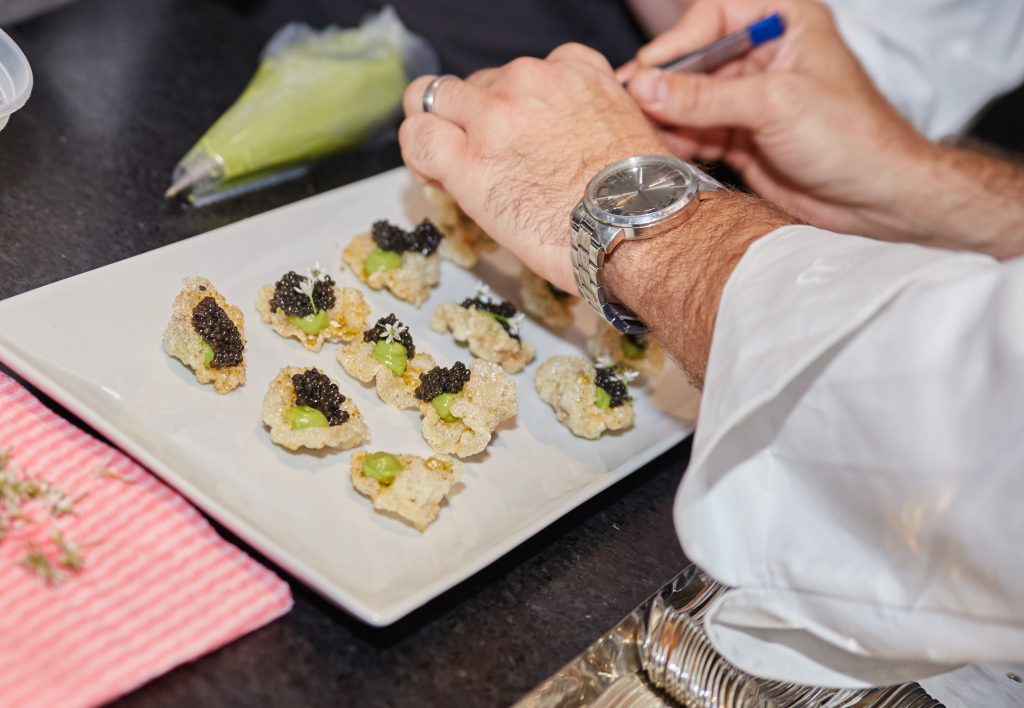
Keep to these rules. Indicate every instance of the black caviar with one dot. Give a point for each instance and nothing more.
(377, 333)
(503, 310)
(441, 380)
(315, 390)
(289, 298)
(425, 238)
(214, 325)
(558, 293)
(613, 386)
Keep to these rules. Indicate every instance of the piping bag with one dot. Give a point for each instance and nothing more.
(315, 93)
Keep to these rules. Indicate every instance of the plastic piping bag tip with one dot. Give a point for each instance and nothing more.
(174, 189)
(193, 170)
(186, 181)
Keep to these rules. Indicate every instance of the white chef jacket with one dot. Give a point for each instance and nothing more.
(938, 61)
(858, 470)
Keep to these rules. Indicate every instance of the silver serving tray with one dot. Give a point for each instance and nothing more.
(659, 655)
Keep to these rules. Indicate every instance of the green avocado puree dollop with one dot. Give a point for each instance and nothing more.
(382, 467)
(208, 354)
(380, 260)
(312, 324)
(442, 404)
(631, 350)
(392, 355)
(302, 417)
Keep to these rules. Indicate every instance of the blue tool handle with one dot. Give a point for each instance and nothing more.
(730, 47)
(767, 29)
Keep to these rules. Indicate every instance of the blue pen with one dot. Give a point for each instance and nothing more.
(732, 46)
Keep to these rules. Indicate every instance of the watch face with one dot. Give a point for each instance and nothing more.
(641, 190)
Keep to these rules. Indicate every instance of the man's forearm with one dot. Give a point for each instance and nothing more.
(964, 199)
(674, 282)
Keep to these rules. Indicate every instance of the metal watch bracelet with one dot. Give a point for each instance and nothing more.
(588, 255)
(587, 258)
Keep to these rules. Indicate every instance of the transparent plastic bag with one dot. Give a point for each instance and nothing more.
(313, 94)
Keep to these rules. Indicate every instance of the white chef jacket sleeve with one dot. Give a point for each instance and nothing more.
(939, 63)
(857, 473)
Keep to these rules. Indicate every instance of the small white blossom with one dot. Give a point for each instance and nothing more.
(605, 362)
(305, 288)
(514, 323)
(316, 273)
(627, 376)
(392, 332)
(484, 293)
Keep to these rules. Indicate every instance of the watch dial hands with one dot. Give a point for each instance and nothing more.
(640, 190)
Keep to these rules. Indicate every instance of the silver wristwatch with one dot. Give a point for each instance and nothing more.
(622, 203)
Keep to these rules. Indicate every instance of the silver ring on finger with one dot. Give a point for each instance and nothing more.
(429, 95)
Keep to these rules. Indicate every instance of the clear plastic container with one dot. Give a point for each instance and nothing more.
(15, 78)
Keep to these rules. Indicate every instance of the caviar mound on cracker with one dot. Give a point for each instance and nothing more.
(462, 406)
(551, 306)
(304, 408)
(207, 335)
(411, 487)
(587, 399)
(639, 352)
(404, 262)
(464, 240)
(312, 308)
(388, 356)
(489, 326)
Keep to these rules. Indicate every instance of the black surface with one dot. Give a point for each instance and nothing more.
(123, 88)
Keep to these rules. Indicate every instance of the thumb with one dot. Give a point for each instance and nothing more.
(700, 100)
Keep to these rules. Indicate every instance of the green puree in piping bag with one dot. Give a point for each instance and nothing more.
(314, 93)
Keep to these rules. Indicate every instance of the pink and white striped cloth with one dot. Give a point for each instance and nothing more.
(159, 587)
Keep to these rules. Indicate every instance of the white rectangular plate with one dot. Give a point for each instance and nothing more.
(93, 342)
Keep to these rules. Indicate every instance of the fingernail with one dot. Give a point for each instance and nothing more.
(649, 87)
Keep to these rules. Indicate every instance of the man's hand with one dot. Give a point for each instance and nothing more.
(516, 146)
(804, 126)
(797, 118)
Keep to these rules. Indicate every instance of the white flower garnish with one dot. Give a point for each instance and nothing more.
(392, 332)
(316, 273)
(627, 376)
(484, 293)
(306, 288)
(604, 362)
(514, 323)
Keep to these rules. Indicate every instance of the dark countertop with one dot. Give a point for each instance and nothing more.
(122, 89)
